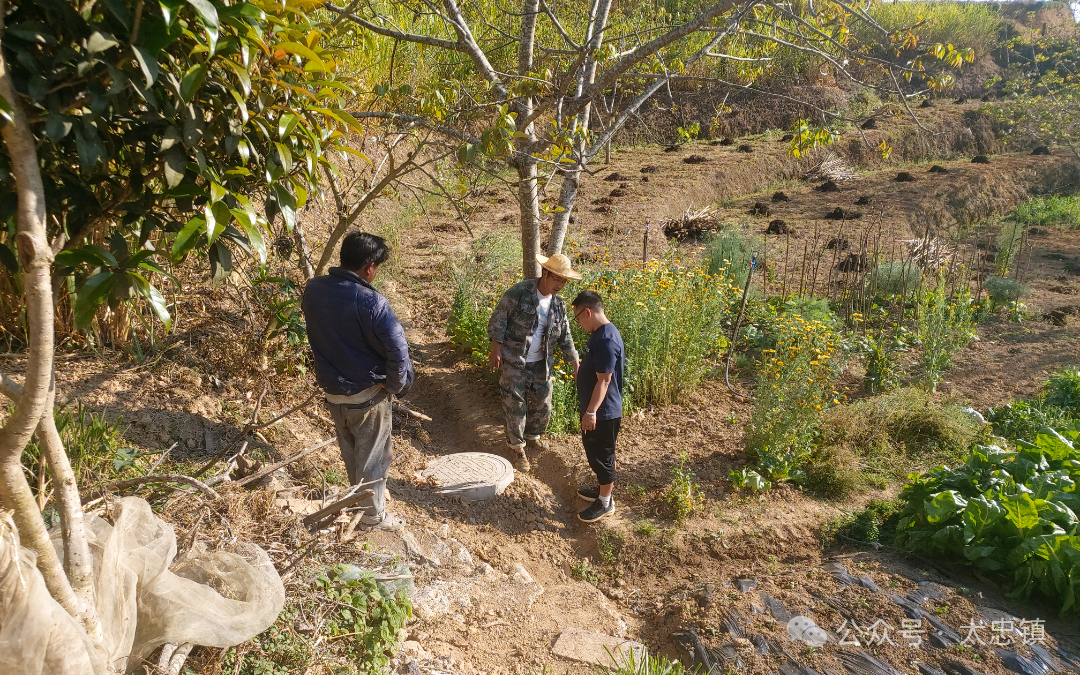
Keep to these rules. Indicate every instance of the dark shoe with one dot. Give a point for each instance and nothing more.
(588, 494)
(521, 462)
(596, 511)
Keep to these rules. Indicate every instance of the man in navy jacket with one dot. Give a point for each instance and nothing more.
(361, 362)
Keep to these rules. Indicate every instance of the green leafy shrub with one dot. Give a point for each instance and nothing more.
(946, 325)
(881, 358)
(683, 495)
(1024, 419)
(1005, 291)
(728, 251)
(1057, 405)
(366, 620)
(1062, 390)
(794, 383)
(1010, 515)
(1049, 210)
(895, 278)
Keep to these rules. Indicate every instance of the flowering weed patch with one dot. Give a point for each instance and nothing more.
(946, 325)
(794, 384)
(672, 319)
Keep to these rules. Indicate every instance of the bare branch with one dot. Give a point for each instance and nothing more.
(395, 34)
(166, 478)
(558, 26)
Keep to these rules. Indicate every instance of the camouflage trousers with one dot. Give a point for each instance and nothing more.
(526, 400)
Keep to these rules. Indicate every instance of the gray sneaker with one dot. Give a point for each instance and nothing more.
(387, 522)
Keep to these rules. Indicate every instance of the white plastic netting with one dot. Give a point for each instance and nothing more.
(145, 598)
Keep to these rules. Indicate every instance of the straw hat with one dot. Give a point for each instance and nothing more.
(558, 265)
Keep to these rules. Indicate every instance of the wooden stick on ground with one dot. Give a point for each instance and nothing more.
(166, 478)
(403, 410)
(354, 497)
(267, 470)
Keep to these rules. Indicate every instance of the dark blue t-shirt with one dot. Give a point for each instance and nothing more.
(603, 354)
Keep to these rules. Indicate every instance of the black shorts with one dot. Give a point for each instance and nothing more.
(600, 449)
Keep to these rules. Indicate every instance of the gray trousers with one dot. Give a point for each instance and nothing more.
(363, 435)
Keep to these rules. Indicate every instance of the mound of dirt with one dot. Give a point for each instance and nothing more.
(780, 197)
(828, 186)
(787, 138)
(838, 243)
(745, 148)
(869, 124)
(904, 177)
(937, 168)
(961, 101)
(695, 159)
(673, 148)
(727, 140)
(617, 192)
(840, 214)
(603, 209)
(1041, 150)
(927, 103)
(603, 200)
(778, 227)
(759, 209)
(980, 159)
(652, 168)
(615, 177)
(864, 200)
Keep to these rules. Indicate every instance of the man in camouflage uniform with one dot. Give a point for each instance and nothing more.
(529, 321)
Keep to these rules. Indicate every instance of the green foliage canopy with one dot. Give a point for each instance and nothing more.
(167, 127)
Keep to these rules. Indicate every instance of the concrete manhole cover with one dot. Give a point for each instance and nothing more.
(472, 475)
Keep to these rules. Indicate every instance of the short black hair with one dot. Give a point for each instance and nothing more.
(360, 249)
(588, 300)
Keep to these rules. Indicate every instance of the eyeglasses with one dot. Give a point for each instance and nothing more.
(577, 315)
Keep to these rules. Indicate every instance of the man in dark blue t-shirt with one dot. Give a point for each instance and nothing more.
(599, 389)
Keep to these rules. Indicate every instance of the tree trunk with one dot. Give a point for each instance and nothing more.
(567, 197)
(35, 258)
(529, 205)
(78, 563)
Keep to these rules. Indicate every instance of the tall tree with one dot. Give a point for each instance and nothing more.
(133, 134)
(527, 97)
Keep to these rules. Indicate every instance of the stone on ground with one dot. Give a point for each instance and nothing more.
(471, 475)
(596, 648)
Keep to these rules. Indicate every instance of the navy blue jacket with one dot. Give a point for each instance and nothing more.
(355, 336)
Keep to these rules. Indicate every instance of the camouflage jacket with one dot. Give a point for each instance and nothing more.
(515, 319)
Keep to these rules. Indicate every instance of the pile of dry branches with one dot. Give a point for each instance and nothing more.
(830, 167)
(691, 224)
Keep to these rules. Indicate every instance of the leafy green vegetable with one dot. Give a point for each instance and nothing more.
(1009, 514)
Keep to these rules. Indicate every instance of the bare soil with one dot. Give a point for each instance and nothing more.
(646, 576)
